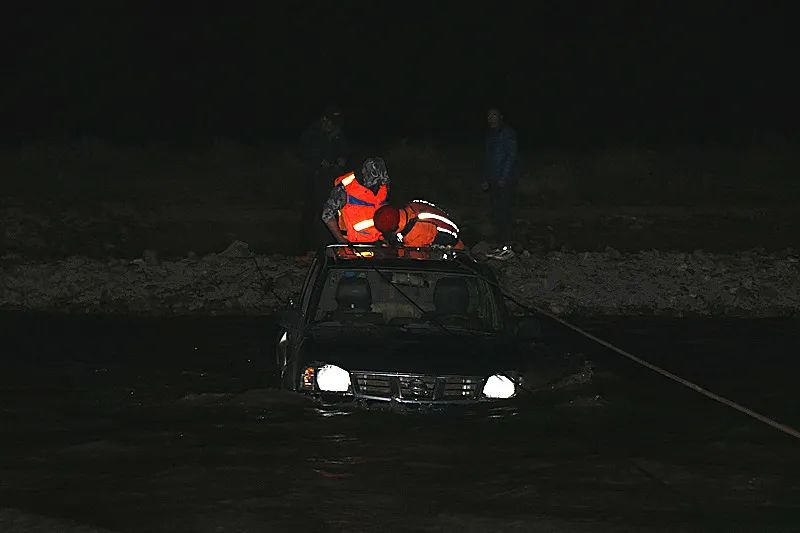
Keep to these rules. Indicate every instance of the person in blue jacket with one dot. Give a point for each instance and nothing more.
(500, 179)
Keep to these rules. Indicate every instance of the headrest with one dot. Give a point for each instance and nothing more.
(354, 294)
(451, 296)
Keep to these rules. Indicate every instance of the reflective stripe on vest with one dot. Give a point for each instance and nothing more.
(355, 216)
(440, 218)
(364, 224)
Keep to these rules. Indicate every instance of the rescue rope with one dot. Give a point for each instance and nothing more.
(788, 430)
(685, 382)
(267, 283)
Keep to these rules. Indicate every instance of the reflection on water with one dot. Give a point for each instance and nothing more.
(328, 412)
(200, 440)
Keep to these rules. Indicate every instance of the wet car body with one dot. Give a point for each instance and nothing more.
(426, 360)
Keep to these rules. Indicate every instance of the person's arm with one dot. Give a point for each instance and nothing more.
(333, 226)
(487, 161)
(336, 201)
(510, 149)
(313, 152)
(343, 151)
(390, 239)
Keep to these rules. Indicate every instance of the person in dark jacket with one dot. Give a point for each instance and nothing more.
(500, 179)
(325, 153)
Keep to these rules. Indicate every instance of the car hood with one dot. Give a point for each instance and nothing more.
(404, 352)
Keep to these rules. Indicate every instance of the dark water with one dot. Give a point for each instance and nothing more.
(170, 425)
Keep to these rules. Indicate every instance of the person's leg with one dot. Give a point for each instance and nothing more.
(507, 213)
(503, 220)
(502, 200)
(496, 212)
(319, 234)
(307, 215)
(310, 234)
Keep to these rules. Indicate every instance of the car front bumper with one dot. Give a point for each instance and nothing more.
(411, 390)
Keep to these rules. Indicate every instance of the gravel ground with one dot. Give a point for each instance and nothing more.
(745, 284)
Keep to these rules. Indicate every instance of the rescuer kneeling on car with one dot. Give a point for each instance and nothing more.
(418, 224)
(352, 203)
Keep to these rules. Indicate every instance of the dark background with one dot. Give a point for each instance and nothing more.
(566, 73)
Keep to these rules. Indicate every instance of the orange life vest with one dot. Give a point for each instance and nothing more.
(421, 223)
(355, 218)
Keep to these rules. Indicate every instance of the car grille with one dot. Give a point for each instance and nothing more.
(457, 388)
(416, 387)
(374, 385)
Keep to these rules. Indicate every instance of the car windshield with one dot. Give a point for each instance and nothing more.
(407, 299)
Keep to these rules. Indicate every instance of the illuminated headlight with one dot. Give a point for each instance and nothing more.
(499, 386)
(331, 378)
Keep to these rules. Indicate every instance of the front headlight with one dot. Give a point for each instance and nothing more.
(499, 386)
(331, 378)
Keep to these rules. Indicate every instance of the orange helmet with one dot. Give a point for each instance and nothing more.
(386, 219)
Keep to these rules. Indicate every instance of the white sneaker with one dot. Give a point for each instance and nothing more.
(501, 254)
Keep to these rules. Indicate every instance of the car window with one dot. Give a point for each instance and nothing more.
(458, 301)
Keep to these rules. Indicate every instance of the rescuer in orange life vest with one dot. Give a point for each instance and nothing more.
(418, 224)
(352, 203)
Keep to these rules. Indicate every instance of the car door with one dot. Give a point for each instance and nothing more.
(290, 334)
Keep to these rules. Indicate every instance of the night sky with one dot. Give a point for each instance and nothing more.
(566, 73)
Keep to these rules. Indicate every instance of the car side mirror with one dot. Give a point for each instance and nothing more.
(528, 328)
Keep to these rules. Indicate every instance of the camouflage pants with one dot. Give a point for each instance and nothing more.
(313, 231)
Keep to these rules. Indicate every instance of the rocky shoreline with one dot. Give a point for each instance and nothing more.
(235, 282)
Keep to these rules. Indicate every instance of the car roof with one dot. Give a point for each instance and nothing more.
(423, 259)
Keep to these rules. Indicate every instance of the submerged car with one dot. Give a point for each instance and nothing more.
(406, 325)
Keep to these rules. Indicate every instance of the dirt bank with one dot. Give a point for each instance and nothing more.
(120, 230)
(751, 284)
